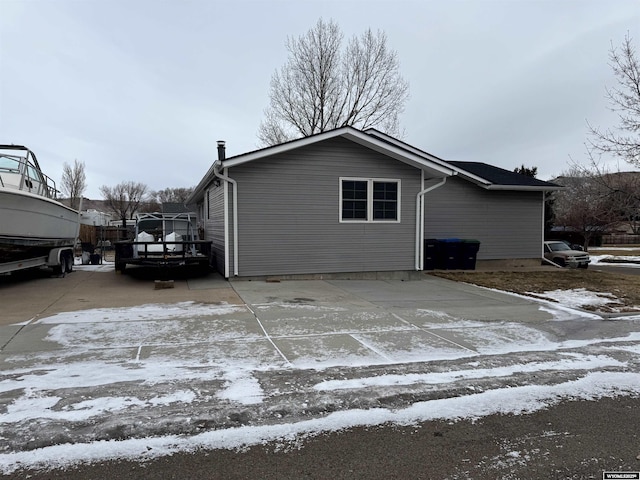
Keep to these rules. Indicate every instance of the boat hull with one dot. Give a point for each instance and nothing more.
(31, 225)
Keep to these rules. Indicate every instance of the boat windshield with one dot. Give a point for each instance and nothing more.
(9, 164)
(22, 173)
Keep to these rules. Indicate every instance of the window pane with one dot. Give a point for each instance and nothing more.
(354, 200)
(385, 191)
(385, 201)
(9, 164)
(354, 210)
(354, 190)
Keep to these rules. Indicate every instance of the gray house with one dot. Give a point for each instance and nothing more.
(359, 201)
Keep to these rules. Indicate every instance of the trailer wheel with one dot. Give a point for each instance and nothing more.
(68, 263)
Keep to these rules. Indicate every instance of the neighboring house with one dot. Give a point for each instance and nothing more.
(95, 218)
(359, 201)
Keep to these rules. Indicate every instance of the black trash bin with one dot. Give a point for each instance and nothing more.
(431, 253)
(449, 254)
(469, 253)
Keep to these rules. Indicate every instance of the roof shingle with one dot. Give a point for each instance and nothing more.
(499, 176)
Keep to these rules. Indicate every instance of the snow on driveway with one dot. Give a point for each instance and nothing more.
(176, 362)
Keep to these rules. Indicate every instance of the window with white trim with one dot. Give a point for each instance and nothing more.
(369, 200)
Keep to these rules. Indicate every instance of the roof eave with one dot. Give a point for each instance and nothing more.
(354, 135)
(399, 153)
(198, 192)
(525, 188)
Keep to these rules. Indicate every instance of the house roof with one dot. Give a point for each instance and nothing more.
(499, 177)
(429, 163)
(434, 167)
(481, 174)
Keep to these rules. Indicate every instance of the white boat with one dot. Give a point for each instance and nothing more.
(32, 220)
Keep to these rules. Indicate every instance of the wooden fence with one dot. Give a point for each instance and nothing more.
(620, 239)
(99, 236)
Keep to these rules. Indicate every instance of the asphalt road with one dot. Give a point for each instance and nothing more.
(574, 440)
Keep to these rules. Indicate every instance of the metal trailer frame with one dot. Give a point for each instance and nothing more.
(162, 252)
(60, 259)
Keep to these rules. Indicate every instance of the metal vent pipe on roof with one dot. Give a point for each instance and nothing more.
(221, 150)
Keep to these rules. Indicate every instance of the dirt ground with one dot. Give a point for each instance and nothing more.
(625, 287)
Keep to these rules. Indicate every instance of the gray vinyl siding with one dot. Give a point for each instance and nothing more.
(289, 213)
(508, 224)
(214, 223)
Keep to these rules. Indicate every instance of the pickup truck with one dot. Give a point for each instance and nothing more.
(563, 255)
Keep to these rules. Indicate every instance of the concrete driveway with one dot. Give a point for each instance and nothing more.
(100, 356)
(318, 323)
(307, 323)
(303, 324)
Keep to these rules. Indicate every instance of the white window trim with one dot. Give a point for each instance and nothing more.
(370, 182)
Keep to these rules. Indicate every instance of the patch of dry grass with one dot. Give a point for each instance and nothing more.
(625, 287)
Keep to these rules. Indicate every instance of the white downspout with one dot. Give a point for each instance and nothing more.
(216, 172)
(420, 220)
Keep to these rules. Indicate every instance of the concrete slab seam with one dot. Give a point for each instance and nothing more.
(369, 347)
(434, 334)
(267, 336)
(2, 347)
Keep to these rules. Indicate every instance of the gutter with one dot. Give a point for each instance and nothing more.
(522, 188)
(420, 219)
(228, 180)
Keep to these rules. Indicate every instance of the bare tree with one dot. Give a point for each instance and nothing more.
(124, 199)
(624, 142)
(74, 182)
(583, 206)
(322, 87)
(625, 198)
(621, 188)
(172, 195)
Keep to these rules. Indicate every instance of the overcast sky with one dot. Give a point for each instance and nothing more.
(141, 90)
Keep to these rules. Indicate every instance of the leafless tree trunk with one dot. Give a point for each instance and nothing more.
(73, 182)
(624, 142)
(124, 199)
(322, 87)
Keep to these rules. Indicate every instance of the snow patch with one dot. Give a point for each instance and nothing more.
(241, 387)
(578, 362)
(143, 312)
(515, 400)
(578, 297)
